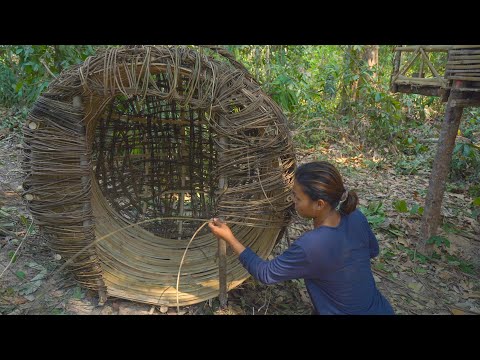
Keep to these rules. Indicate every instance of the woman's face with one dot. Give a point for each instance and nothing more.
(304, 206)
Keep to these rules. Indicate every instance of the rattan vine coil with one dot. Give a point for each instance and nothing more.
(146, 134)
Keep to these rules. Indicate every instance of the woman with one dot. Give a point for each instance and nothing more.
(333, 258)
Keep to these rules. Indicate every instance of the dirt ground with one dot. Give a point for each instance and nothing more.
(448, 283)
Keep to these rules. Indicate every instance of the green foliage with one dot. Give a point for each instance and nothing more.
(384, 117)
(400, 206)
(307, 81)
(13, 118)
(474, 190)
(7, 85)
(78, 293)
(466, 153)
(411, 146)
(380, 266)
(374, 213)
(413, 254)
(26, 70)
(416, 210)
(411, 165)
(57, 311)
(463, 265)
(450, 228)
(439, 241)
(465, 161)
(13, 257)
(303, 80)
(282, 90)
(415, 107)
(395, 230)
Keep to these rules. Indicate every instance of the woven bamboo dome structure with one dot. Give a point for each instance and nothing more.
(127, 154)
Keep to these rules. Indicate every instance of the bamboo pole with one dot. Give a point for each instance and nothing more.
(419, 81)
(431, 48)
(462, 47)
(181, 201)
(154, 120)
(222, 245)
(146, 188)
(420, 71)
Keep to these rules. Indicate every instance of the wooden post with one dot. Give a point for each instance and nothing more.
(441, 166)
(444, 92)
(146, 189)
(181, 195)
(222, 245)
(420, 72)
(87, 207)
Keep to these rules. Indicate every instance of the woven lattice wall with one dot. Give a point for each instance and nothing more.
(165, 137)
(463, 64)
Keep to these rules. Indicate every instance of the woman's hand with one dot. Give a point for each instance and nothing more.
(221, 230)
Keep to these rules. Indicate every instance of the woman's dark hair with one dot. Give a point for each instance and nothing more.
(321, 180)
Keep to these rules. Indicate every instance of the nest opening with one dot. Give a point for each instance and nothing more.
(155, 159)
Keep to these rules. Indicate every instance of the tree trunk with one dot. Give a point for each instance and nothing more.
(57, 56)
(347, 82)
(370, 56)
(433, 203)
(396, 68)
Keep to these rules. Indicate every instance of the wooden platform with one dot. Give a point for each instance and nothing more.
(414, 72)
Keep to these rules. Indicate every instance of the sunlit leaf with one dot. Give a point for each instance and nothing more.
(400, 206)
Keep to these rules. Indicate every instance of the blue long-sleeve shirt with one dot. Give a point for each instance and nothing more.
(335, 264)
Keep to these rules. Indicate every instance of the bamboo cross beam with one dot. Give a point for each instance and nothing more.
(432, 68)
(403, 70)
(430, 48)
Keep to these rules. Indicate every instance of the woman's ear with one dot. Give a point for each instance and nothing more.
(320, 204)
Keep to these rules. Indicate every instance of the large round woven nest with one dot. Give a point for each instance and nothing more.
(166, 137)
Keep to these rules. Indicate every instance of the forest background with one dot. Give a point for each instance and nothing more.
(340, 108)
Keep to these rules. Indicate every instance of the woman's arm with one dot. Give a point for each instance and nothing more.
(292, 264)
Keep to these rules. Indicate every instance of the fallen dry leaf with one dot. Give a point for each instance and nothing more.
(415, 286)
(457, 311)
